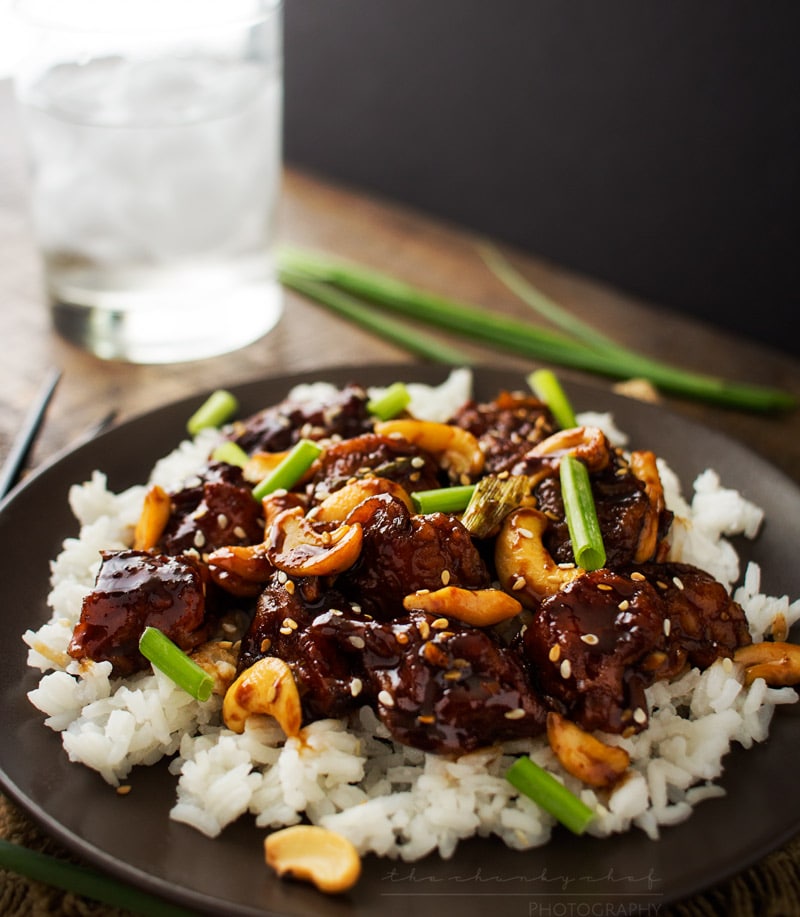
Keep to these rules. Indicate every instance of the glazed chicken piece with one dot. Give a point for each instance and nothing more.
(135, 589)
(506, 428)
(277, 428)
(370, 455)
(623, 511)
(214, 511)
(597, 644)
(436, 685)
(402, 553)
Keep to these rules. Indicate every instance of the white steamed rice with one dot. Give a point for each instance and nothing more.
(389, 799)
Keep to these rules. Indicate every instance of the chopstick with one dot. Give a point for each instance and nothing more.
(12, 467)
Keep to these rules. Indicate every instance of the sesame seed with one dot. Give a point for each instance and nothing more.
(356, 686)
(566, 566)
(667, 626)
(199, 539)
(282, 576)
(518, 583)
(385, 698)
(637, 577)
(355, 607)
(402, 638)
(624, 605)
(286, 631)
(124, 789)
(555, 653)
(239, 532)
(325, 537)
(266, 643)
(640, 716)
(424, 629)
(426, 719)
(418, 462)
(566, 668)
(590, 639)
(445, 577)
(414, 476)
(440, 623)
(661, 584)
(222, 520)
(452, 675)
(604, 587)
(678, 582)
(289, 587)
(727, 664)
(525, 533)
(516, 714)
(357, 642)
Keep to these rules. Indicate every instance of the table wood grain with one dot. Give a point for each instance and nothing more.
(389, 237)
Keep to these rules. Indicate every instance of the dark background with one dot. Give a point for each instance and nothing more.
(649, 143)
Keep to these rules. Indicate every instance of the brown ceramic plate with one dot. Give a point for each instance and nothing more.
(132, 837)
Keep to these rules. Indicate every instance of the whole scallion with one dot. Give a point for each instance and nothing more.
(322, 278)
(170, 659)
(290, 469)
(83, 880)
(581, 514)
(542, 787)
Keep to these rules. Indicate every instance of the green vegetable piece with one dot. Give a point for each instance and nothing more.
(231, 453)
(581, 513)
(543, 788)
(289, 471)
(547, 388)
(218, 408)
(356, 292)
(175, 664)
(443, 499)
(84, 880)
(394, 400)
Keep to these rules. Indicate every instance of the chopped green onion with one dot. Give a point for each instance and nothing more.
(231, 453)
(175, 664)
(443, 499)
(325, 279)
(83, 880)
(290, 469)
(394, 400)
(492, 500)
(218, 408)
(547, 388)
(581, 513)
(543, 788)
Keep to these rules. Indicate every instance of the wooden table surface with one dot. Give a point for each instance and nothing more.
(388, 237)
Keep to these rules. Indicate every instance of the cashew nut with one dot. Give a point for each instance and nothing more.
(479, 607)
(318, 855)
(240, 569)
(588, 444)
(153, 519)
(338, 505)
(267, 687)
(299, 549)
(524, 566)
(583, 755)
(643, 466)
(777, 663)
(457, 449)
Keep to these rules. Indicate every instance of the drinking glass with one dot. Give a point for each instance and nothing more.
(154, 138)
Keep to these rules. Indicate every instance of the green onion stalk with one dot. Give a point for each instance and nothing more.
(349, 289)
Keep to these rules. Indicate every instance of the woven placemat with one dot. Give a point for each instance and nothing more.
(769, 889)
